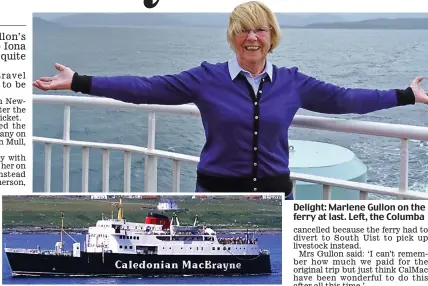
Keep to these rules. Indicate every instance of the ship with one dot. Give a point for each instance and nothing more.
(158, 247)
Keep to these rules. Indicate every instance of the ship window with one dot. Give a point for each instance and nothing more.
(228, 248)
(202, 248)
(170, 248)
(218, 248)
(120, 246)
(138, 237)
(197, 248)
(130, 247)
(126, 247)
(224, 248)
(213, 248)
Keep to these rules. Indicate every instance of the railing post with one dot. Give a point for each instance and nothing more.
(127, 172)
(404, 165)
(48, 164)
(85, 169)
(66, 152)
(294, 188)
(151, 163)
(363, 195)
(175, 176)
(106, 170)
(326, 190)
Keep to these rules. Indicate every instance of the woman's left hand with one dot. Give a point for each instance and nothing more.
(420, 94)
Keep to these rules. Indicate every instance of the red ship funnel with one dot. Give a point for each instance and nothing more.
(154, 218)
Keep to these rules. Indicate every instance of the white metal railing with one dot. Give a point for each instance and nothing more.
(403, 132)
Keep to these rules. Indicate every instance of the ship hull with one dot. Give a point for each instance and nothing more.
(111, 264)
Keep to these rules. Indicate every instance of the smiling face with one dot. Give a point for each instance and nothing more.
(252, 45)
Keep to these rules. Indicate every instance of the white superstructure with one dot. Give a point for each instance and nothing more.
(161, 236)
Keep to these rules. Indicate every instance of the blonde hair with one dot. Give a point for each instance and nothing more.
(251, 15)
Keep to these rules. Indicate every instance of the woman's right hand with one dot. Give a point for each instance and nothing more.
(61, 81)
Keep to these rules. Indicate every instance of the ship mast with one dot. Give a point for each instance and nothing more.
(120, 210)
(62, 226)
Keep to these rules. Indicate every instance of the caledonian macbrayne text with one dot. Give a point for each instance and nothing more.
(185, 264)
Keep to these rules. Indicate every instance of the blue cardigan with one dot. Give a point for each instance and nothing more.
(246, 135)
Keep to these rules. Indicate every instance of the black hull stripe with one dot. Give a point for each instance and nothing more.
(38, 274)
(138, 265)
